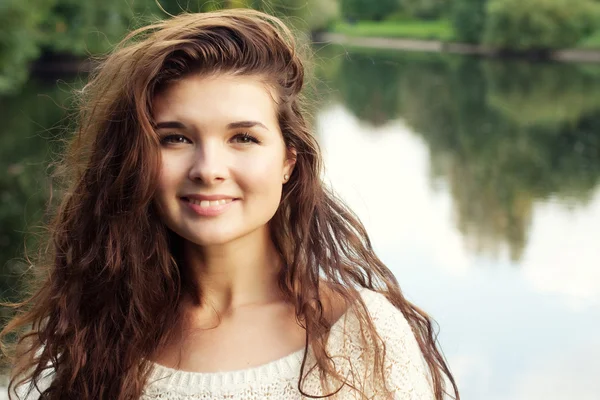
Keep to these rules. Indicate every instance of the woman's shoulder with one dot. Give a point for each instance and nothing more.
(383, 313)
(407, 373)
(386, 317)
(388, 321)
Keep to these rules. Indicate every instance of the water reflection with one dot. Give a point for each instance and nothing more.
(505, 330)
(501, 135)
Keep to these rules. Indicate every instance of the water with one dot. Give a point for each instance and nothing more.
(478, 181)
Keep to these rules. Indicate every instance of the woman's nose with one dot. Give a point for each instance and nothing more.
(209, 164)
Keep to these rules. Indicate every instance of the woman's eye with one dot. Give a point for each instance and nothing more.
(174, 139)
(245, 138)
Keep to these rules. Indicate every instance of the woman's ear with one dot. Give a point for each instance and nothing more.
(289, 164)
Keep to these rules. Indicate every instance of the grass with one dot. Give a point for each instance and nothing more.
(591, 42)
(415, 29)
(425, 30)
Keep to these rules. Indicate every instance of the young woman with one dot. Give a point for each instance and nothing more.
(197, 254)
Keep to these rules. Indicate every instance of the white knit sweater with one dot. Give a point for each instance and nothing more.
(405, 369)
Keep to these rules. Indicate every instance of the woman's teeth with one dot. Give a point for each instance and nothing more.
(213, 203)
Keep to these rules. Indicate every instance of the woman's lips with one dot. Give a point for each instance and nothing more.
(208, 208)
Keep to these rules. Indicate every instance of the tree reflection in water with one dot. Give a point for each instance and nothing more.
(502, 134)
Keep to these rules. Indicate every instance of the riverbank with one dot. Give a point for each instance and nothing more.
(439, 46)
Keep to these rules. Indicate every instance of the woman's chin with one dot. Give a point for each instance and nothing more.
(207, 240)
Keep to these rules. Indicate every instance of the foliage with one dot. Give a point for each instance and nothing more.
(319, 15)
(425, 9)
(400, 16)
(20, 39)
(86, 27)
(370, 10)
(30, 29)
(468, 18)
(590, 42)
(29, 137)
(89, 28)
(539, 24)
(306, 15)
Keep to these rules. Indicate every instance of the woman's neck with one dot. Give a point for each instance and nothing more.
(236, 274)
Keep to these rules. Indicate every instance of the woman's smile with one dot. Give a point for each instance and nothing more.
(208, 208)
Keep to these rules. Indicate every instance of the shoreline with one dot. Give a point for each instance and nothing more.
(438, 46)
(51, 66)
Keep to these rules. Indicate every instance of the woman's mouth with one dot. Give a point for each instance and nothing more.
(208, 208)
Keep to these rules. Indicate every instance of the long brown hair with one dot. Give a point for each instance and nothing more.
(110, 279)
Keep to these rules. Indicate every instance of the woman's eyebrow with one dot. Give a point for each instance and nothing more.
(232, 125)
(170, 125)
(246, 124)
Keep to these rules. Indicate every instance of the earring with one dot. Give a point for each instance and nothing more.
(286, 177)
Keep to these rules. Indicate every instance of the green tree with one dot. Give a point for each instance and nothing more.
(468, 18)
(34, 28)
(90, 27)
(319, 15)
(33, 124)
(20, 39)
(368, 9)
(305, 15)
(425, 9)
(76, 29)
(539, 24)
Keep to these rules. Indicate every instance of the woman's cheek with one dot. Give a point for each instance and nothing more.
(263, 176)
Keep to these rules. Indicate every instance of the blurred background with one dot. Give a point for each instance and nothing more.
(478, 178)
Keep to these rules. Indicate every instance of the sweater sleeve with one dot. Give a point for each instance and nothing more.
(406, 371)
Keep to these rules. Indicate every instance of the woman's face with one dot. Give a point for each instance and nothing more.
(223, 157)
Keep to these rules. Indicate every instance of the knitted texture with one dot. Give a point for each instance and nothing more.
(406, 373)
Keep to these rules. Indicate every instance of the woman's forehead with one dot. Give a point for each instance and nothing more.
(216, 97)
